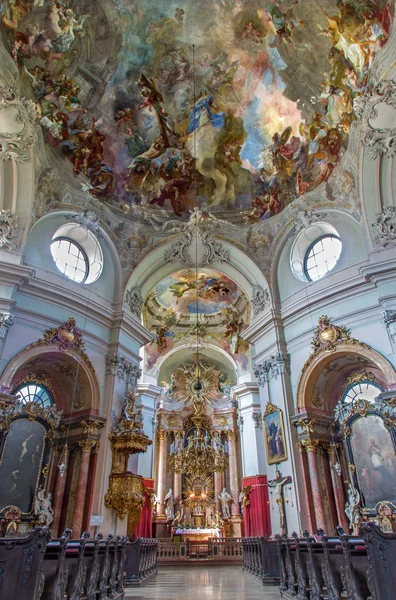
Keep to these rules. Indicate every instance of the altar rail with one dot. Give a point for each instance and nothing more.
(214, 550)
(141, 562)
(341, 566)
(37, 567)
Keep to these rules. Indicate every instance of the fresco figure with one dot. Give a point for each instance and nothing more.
(378, 460)
(201, 114)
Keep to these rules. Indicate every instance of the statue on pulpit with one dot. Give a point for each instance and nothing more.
(169, 505)
(225, 499)
(278, 485)
(43, 509)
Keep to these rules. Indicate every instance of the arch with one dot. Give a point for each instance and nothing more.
(154, 267)
(227, 359)
(34, 352)
(314, 369)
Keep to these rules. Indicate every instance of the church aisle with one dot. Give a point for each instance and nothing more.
(212, 582)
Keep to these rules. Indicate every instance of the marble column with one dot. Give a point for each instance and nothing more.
(59, 493)
(177, 488)
(218, 486)
(311, 447)
(233, 466)
(81, 489)
(338, 490)
(162, 440)
(307, 488)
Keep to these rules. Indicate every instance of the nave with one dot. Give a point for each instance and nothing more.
(216, 583)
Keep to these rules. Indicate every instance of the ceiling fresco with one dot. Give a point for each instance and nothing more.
(241, 105)
(189, 308)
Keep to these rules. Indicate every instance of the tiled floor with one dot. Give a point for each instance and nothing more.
(200, 582)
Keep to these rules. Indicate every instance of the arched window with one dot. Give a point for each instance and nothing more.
(34, 392)
(364, 390)
(77, 253)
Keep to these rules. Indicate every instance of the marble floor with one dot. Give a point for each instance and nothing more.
(203, 582)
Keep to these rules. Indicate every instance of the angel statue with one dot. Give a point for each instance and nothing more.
(43, 509)
(225, 499)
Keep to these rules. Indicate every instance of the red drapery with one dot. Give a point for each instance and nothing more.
(144, 528)
(257, 515)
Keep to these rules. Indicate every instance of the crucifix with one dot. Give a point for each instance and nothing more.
(278, 485)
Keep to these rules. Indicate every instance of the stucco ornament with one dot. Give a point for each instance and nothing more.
(305, 218)
(134, 301)
(390, 323)
(377, 111)
(202, 225)
(9, 230)
(87, 219)
(17, 124)
(385, 226)
(123, 369)
(260, 299)
(6, 321)
(273, 367)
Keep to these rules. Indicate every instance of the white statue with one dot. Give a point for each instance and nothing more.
(43, 509)
(225, 499)
(169, 505)
(352, 509)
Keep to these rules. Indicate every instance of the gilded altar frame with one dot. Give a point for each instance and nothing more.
(370, 438)
(274, 434)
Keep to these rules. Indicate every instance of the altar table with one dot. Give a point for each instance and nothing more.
(197, 534)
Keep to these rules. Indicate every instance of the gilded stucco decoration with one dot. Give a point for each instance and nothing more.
(183, 379)
(67, 337)
(328, 337)
(123, 369)
(125, 493)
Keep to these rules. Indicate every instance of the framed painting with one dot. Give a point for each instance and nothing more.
(274, 434)
(371, 447)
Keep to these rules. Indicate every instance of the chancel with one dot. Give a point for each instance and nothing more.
(197, 299)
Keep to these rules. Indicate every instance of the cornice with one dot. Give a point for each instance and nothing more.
(148, 389)
(245, 388)
(15, 275)
(130, 325)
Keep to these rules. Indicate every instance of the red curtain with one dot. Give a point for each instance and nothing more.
(257, 514)
(144, 528)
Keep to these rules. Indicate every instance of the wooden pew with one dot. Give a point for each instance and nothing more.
(75, 565)
(354, 571)
(314, 567)
(381, 550)
(22, 565)
(104, 567)
(55, 571)
(301, 560)
(91, 561)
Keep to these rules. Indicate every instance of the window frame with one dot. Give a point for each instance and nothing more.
(26, 384)
(352, 385)
(309, 249)
(81, 249)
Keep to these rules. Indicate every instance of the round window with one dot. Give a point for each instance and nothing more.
(77, 253)
(322, 256)
(364, 390)
(70, 259)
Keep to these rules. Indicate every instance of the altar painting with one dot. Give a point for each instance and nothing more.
(374, 458)
(274, 433)
(21, 463)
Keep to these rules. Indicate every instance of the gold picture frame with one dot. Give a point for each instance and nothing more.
(274, 435)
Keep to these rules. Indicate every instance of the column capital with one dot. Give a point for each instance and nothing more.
(87, 445)
(233, 434)
(310, 445)
(162, 433)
